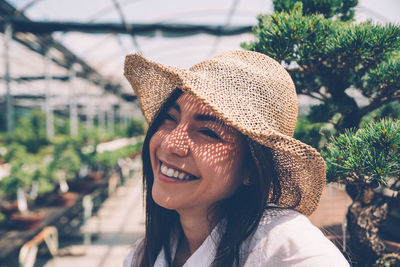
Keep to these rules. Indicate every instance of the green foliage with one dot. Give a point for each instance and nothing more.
(291, 36)
(367, 156)
(328, 8)
(61, 126)
(385, 77)
(34, 158)
(135, 128)
(109, 159)
(391, 110)
(3, 120)
(322, 113)
(66, 158)
(41, 175)
(25, 168)
(31, 131)
(3, 217)
(314, 134)
(15, 151)
(325, 57)
(21, 176)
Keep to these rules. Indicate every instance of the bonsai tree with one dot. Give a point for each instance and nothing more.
(18, 183)
(343, 9)
(21, 171)
(65, 165)
(109, 159)
(30, 131)
(28, 172)
(45, 184)
(20, 177)
(369, 160)
(326, 53)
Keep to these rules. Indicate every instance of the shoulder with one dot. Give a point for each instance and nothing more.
(134, 253)
(285, 237)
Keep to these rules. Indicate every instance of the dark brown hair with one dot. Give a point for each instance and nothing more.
(242, 211)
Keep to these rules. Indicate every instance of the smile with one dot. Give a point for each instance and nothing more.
(176, 174)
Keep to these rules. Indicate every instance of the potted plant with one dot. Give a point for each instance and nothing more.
(367, 161)
(8, 186)
(42, 183)
(17, 184)
(103, 164)
(65, 167)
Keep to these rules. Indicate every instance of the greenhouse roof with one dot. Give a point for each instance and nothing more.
(90, 39)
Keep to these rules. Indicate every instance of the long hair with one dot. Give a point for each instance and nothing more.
(242, 211)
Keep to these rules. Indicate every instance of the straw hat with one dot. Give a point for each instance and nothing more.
(251, 92)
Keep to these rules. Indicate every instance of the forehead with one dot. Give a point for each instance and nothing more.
(188, 103)
(193, 110)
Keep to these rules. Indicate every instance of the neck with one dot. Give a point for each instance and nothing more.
(196, 227)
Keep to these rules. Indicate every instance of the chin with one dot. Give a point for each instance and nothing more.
(163, 200)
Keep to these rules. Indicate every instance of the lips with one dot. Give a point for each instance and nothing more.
(175, 173)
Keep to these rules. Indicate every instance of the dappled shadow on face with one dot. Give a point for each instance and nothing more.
(194, 140)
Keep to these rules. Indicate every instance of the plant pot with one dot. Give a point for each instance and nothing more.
(95, 176)
(8, 208)
(44, 199)
(26, 221)
(80, 186)
(66, 199)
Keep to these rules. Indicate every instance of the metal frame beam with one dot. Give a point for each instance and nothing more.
(43, 42)
(167, 30)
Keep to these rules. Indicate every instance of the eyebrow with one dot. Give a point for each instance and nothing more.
(202, 117)
(177, 107)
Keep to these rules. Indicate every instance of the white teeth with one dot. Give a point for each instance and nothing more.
(174, 173)
(170, 172)
(164, 169)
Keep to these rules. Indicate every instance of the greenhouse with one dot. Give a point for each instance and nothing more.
(72, 131)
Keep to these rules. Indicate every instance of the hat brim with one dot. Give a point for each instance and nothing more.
(300, 168)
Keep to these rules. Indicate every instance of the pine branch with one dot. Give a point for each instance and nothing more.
(321, 98)
(378, 102)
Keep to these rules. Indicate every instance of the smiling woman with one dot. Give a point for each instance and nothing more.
(225, 183)
(213, 167)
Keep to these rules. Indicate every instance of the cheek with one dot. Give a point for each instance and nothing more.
(154, 143)
(222, 165)
(223, 159)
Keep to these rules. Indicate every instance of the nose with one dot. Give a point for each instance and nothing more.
(177, 141)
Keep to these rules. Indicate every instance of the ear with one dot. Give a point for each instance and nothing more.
(247, 180)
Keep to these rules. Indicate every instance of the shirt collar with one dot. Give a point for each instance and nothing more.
(203, 256)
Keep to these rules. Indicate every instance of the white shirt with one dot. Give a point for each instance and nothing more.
(283, 238)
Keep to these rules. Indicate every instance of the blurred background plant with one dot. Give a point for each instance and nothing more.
(30, 131)
(20, 177)
(39, 166)
(66, 158)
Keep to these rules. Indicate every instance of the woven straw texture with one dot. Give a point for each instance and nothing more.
(251, 92)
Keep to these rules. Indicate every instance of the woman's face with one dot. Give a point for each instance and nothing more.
(196, 159)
